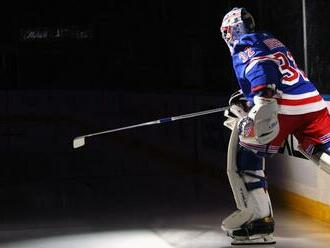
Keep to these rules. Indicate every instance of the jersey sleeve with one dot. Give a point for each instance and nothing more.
(255, 64)
(262, 74)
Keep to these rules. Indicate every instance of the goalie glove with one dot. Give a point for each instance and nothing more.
(237, 110)
(234, 114)
(238, 98)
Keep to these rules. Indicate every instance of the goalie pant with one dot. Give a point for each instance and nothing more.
(312, 131)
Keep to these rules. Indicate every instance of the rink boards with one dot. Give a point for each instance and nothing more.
(301, 184)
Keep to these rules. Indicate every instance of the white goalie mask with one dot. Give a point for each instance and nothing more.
(236, 23)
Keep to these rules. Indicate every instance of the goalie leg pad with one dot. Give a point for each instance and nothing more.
(251, 167)
(324, 162)
(245, 172)
(324, 157)
(321, 157)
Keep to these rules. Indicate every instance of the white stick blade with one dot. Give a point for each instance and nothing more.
(78, 142)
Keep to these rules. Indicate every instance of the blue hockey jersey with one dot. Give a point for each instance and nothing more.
(260, 61)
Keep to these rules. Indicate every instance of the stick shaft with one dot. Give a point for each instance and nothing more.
(163, 120)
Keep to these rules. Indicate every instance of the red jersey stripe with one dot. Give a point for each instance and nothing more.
(300, 101)
(259, 87)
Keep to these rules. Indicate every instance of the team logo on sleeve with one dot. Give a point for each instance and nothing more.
(248, 53)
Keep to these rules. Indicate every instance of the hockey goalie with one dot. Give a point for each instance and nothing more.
(275, 99)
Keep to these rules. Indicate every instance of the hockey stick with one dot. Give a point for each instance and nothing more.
(80, 141)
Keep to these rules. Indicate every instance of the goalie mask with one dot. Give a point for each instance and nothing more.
(236, 23)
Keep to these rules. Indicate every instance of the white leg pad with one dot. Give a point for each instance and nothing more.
(252, 205)
(324, 162)
(237, 219)
(258, 199)
(235, 180)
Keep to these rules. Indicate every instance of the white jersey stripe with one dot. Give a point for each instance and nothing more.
(256, 60)
(299, 96)
(301, 109)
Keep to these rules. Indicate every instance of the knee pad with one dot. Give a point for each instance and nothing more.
(251, 166)
(246, 175)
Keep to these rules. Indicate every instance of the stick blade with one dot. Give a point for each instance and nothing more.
(78, 142)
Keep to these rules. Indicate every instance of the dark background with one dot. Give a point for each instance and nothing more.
(147, 45)
(142, 60)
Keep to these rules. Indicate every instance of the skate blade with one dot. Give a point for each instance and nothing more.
(255, 240)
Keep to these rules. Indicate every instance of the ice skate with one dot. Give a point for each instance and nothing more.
(258, 232)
